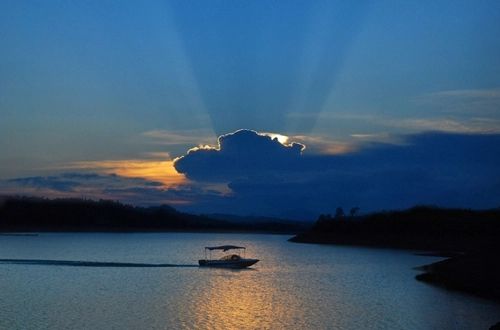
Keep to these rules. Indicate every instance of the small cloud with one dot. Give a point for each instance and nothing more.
(169, 138)
(463, 101)
(61, 184)
(325, 145)
(492, 93)
(450, 125)
(162, 155)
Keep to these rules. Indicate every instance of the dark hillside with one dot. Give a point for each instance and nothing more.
(419, 228)
(27, 214)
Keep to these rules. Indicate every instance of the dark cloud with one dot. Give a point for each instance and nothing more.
(50, 182)
(455, 170)
(265, 177)
(241, 154)
(76, 182)
(136, 191)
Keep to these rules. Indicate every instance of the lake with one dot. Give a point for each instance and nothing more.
(294, 286)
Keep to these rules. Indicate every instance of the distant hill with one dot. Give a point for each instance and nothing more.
(305, 224)
(419, 228)
(28, 214)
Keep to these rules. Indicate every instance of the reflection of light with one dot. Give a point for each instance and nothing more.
(243, 299)
(161, 171)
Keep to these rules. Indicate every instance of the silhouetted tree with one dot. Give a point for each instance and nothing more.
(41, 214)
(420, 227)
(339, 213)
(353, 211)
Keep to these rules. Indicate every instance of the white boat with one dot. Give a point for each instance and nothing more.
(227, 261)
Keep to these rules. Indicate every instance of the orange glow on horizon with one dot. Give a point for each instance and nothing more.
(161, 171)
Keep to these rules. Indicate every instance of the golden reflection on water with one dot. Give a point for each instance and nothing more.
(244, 299)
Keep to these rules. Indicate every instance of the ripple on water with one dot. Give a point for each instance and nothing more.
(295, 286)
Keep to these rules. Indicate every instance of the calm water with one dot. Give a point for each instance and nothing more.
(295, 286)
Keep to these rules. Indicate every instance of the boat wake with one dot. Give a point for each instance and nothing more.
(74, 263)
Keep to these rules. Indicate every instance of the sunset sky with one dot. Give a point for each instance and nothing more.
(287, 108)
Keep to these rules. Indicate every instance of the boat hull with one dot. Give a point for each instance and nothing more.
(242, 263)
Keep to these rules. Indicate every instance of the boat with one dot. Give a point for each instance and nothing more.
(228, 261)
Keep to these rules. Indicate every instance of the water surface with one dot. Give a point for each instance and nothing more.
(294, 286)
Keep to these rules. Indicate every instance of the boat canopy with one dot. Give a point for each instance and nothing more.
(224, 247)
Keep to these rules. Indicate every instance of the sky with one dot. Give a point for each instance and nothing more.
(274, 108)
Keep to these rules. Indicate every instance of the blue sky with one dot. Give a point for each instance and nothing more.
(120, 89)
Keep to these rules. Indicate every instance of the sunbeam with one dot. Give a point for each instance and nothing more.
(333, 28)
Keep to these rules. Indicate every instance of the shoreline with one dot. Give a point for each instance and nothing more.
(473, 272)
(37, 232)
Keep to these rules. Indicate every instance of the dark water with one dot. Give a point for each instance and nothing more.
(80, 263)
(149, 281)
